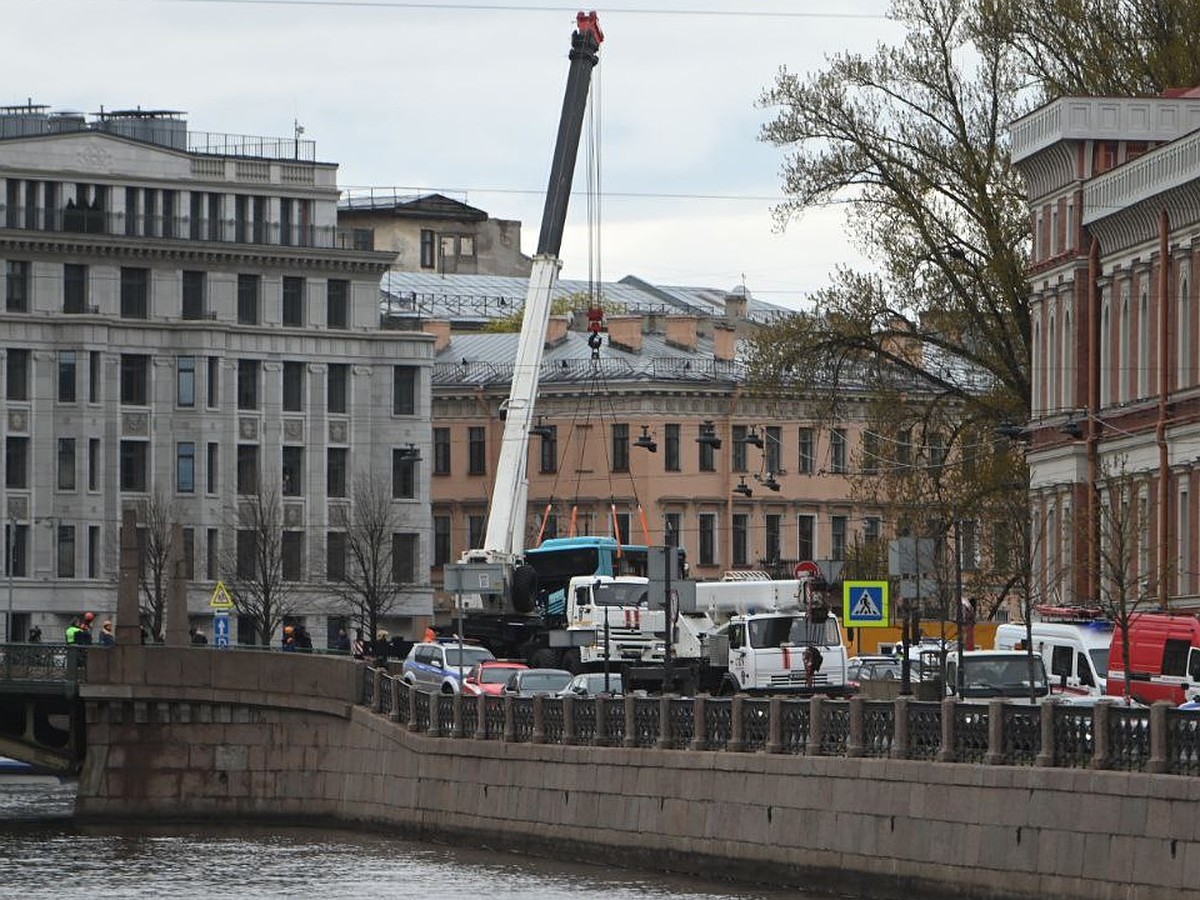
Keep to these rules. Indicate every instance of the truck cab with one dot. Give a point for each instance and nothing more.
(1074, 653)
(767, 652)
(993, 674)
(1164, 661)
(617, 610)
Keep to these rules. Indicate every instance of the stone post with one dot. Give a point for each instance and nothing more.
(1100, 734)
(1159, 761)
(664, 722)
(456, 729)
(413, 725)
(699, 725)
(435, 726)
(481, 727)
(736, 742)
(855, 745)
(775, 725)
(395, 687)
(603, 708)
(129, 619)
(539, 721)
(900, 729)
(630, 721)
(377, 692)
(178, 634)
(1045, 756)
(510, 722)
(568, 708)
(995, 750)
(815, 726)
(946, 751)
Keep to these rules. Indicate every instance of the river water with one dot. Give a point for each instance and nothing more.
(43, 853)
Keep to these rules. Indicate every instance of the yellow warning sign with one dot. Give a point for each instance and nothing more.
(220, 597)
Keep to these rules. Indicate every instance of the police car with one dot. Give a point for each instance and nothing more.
(438, 666)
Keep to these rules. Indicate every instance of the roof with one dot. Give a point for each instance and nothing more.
(480, 298)
(404, 206)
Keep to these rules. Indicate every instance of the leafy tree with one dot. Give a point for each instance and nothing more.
(1104, 47)
(367, 585)
(253, 563)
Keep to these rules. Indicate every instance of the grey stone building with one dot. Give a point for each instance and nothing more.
(185, 326)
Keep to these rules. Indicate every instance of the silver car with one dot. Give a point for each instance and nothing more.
(535, 682)
(589, 684)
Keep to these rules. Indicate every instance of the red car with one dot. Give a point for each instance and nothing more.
(489, 676)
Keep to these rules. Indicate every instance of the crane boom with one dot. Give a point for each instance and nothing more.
(504, 539)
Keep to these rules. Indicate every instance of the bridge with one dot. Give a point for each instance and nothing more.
(882, 798)
(41, 712)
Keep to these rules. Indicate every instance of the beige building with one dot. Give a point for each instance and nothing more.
(183, 316)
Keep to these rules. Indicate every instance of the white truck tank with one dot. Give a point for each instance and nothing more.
(723, 599)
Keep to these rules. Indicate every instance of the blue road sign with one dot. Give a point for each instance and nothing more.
(221, 628)
(865, 603)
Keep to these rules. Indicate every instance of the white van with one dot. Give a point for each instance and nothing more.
(1075, 654)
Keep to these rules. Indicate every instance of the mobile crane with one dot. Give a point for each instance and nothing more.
(497, 588)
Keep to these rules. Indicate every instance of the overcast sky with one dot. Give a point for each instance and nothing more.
(464, 98)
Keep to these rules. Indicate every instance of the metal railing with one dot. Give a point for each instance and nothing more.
(42, 664)
(1158, 739)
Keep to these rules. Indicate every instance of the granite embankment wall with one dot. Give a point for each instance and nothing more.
(186, 734)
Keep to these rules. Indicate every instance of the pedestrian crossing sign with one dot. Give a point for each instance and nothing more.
(865, 604)
(220, 597)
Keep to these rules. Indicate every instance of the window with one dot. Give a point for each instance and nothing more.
(707, 456)
(427, 249)
(335, 556)
(16, 462)
(17, 561)
(476, 526)
(66, 551)
(189, 554)
(93, 551)
(213, 392)
(185, 382)
(135, 379)
(16, 287)
(773, 537)
(293, 302)
(871, 530)
(16, 371)
(466, 245)
(708, 539)
(291, 556)
(212, 468)
(741, 535)
(737, 455)
(404, 390)
(837, 453)
(441, 451)
(67, 376)
(441, 540)
(185, 467)
(549, 448)
(870, 453)
(247, 386)
(75, 292)
(293, 386)
(404, 475)
(671, 447)
(335, 471)
(247, 469)
(94, 376)
(293, 471)
(134, 458)
(193, 295)
(806, 460)
(672, 528)
(447, 245)
(837, 537)
(620, 447)
(337, 303)
(968, 535)
(476, 451)
(135, 293)
(66, 464)
(93, 475)
(246, 544)
(404, 558)
(248, 289)
(773, 449)
(212, 555)
(806, 546)
(339, 382)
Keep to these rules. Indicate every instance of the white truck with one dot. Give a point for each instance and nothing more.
(1074, 653)
(996, 674)
(616, 611)
(754, 637)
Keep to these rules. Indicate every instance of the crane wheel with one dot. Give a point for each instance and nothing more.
(524, 588)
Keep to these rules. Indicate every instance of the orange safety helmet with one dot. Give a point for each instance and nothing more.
(87, 617)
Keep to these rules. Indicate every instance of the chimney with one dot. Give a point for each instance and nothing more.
(556, 330)
(724, 342)
(681, 332)
(440, 329)
(736, 304)
(625, 332)
(905, 346)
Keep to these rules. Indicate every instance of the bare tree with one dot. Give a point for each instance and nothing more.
(368, 577)
(253, 566)
(157, 515)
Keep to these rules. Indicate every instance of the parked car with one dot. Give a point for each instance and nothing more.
(436, 666)
(489, 676)
(862, 670)
(534, 682)
(589, 684)
(1164, 660)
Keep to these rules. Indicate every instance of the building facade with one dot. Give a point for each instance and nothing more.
(1112, 188)
(185, 324)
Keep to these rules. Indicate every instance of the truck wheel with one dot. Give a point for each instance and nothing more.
(524, 588)
(728, 687)
(571, 661)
